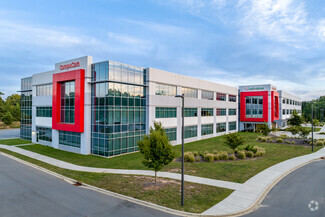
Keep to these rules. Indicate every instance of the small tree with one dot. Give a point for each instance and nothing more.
(156, 149)
(294, 130)
(263, 128)
(316, 122)
(7, 118)
(233, 140)
(295, 119)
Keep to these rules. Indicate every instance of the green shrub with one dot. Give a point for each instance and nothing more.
(249, 154)
(189, 157)
(198, 158)
(271, 141)
(293, 142)
(283, 136)
(249, 148)
(208, 157)
(232, 157)
(233, 140)
(279, 140)
(260, 138)
(215, 152)
(259, 152)
(195, 153)
(264, 139)
(216, 157)
(7, 118)
(319, 143)
(223, 155)
(241, 155)
(263, 128)
(288, 142)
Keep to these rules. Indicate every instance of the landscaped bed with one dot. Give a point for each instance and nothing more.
(235, 171)
(198, 197)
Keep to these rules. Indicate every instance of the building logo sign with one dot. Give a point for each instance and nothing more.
(254, 88)
(69, 66)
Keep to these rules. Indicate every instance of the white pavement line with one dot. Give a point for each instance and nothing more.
(69, 166)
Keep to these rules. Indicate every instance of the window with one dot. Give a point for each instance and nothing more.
(221, 96)
(165, 90)
(284, 101)
(221, 112)
(67, 101)
(44, 133)
(189, 92)
(206, 129)
(221, 127)
(190, 131)
(288, 102)
(207, 94)
(190, 112)
(232, 125)
(165, 112)
(232, 98)
(171, 133)
(43, 111)
(232, 112)
(254, 106)
(207, 112)
(283, 111)
(26, 109)
(69, 138)
(44, 90)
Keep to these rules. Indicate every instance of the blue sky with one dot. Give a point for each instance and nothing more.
(232, 42)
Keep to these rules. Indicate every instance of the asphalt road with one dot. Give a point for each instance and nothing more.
(293, 194)
(28, 192)
(10, 133)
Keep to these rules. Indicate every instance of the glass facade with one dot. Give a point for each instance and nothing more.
(165, 90)
(190, 131)
(44, 133)
(69, 138)
(118, 108)
(44, 90)
(221, 127)
(221, 96)
(206, 111)
(171, 133)
(221, 112)
(189, 92)
(43, 111)
(26, 109)
(67, 101)
(190, 112)
(166, 112)
(207, 94)
(232, 125)
(206, 129)
(254, 106)
(232, 112)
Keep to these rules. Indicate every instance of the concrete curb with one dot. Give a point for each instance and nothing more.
(252, 207)
(262, 196)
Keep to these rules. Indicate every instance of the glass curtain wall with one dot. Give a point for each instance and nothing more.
(118, 108)
(26, 109)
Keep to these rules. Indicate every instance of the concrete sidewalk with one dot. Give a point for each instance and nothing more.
(69, 166)
(245, 197)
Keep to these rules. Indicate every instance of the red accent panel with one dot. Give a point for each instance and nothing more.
(79, 77)
(275, 105)
(243, 106)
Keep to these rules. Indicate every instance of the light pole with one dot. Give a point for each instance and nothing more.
(312, 127)
(182, 179)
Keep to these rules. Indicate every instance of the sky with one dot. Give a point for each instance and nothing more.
(233, 42)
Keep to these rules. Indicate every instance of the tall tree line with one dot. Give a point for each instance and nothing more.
(9, 108)
(319, 109)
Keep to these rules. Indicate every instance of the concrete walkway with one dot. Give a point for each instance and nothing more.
(316, 134)
(69, 166)
(242, 199)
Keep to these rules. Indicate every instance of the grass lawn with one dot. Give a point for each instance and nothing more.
(14, 141)
(166, 193)
(316, 129)
(235, 171)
